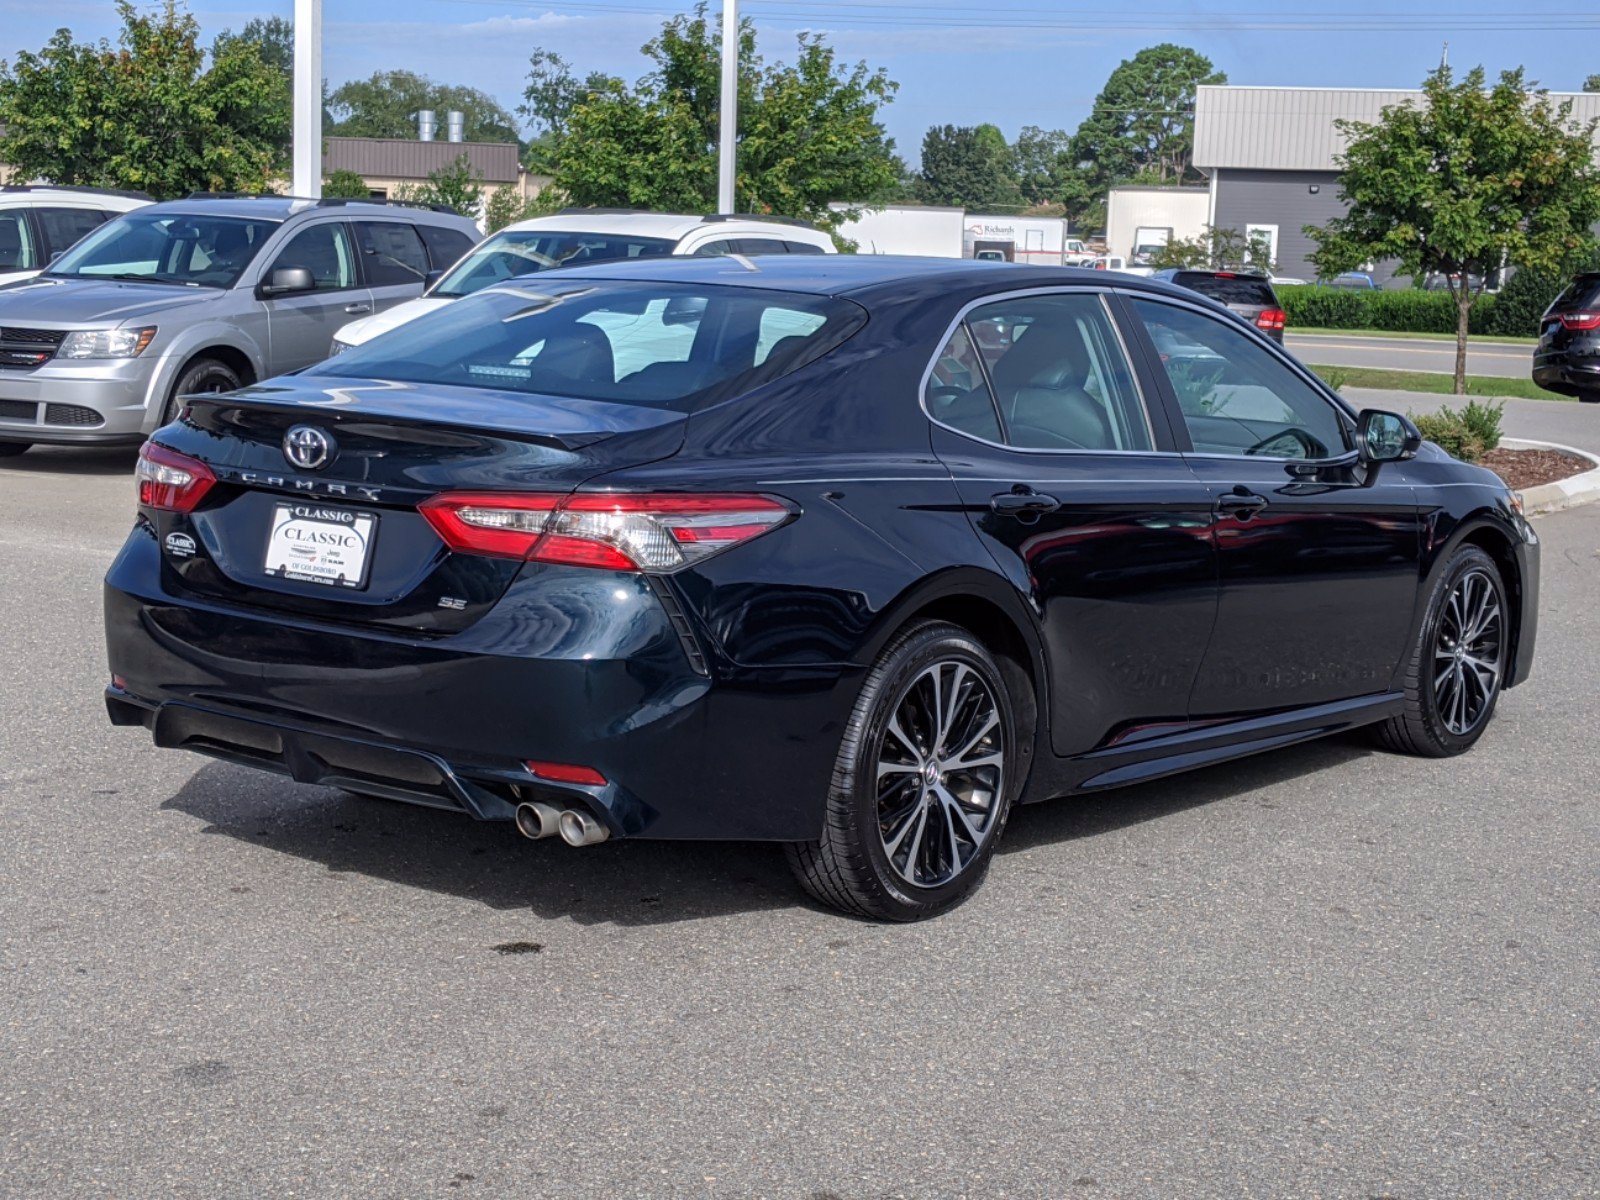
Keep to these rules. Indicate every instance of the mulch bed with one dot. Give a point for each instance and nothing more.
(1529, 468)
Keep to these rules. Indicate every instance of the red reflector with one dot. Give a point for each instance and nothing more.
(617, 531)
(118, 682)
(171, 481)
(566, 773)
(1580, 320)
(1272, 318)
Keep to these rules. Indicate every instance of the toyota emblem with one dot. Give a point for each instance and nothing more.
(307, 447)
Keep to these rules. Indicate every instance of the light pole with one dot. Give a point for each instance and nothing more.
(727, 150)
(307, 174)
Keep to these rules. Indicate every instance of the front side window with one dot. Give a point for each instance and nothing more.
(1060, 378)
(324, 250)
(656, 344)
(16, 243)
(514, 253)
(1237, 397)
(392, 252)
(191, 249)
(63, 227)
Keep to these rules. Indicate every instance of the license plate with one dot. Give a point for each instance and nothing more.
(320, 545)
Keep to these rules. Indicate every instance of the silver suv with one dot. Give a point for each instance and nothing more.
(201, 295)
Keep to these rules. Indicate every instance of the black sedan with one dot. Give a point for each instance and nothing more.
(847, 553)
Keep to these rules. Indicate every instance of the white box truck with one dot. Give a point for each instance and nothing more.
(1037, 240)
(925, 232)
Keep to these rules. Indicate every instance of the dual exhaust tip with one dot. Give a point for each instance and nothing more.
(536, 820)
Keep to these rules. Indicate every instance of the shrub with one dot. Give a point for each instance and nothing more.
(1409, 310)
(1334, 377)
(1482, 420)
(1528, 293)
(346, 184)
(1451, 431)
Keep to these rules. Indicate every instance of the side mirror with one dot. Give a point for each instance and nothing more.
(286, 281)
(1386, 437)
(55, 254)
(431, 278)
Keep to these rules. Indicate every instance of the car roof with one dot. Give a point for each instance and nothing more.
(860, 275)
(12, 195)
(675, 226)
(281, 208)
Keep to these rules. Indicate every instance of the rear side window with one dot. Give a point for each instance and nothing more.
(956, 393)
(656, 344)
(392, 253)
(1228, 289)
(64, 226)
(1059, 375)
(16, 243)
(445, 246)
(803, 248)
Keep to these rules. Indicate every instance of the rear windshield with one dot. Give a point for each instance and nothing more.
(656, 344)
(1237, 289)
(1582, 292)
(518, 252)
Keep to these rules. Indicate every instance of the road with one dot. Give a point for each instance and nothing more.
(1324, 972)
(1509, 360)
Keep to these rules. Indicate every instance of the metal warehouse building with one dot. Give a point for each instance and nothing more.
(1269, 152)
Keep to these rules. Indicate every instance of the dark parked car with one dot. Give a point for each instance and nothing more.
(847, 553)
(1567, 358)
(1249, 295)
(1351, 281)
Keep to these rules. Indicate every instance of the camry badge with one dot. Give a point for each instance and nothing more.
(307, 447)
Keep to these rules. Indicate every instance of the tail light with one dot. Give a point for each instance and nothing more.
(618, 531)
(171, 481)
(1272, 319)
(1580, 321)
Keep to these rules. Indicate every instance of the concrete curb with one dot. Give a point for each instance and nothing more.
(1582, 488)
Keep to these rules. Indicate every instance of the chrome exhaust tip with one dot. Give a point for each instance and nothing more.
(535, 820)
(580, 829)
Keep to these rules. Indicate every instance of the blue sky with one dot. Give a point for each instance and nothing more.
(1012, 62)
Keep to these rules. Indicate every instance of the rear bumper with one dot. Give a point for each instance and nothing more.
(1566, 375)
(556, 672)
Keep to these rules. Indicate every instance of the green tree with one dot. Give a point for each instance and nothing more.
(346, 184)
(547, 103)
(1216, 250)
(1140, 128)
(1592, 84)
(808, 132)
(272, 40)
(1042, 159)
(969, 166)
(458, 185)
(150, 114)
(1467, 179)
(384, 106)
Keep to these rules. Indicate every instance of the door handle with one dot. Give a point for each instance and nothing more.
(1022, 501)
(354, 309)
(1241, 503)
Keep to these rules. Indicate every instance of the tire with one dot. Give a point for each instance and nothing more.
(1589, 397)
(202, 376)
(12, 449)
(1450, 697)
(871, 860)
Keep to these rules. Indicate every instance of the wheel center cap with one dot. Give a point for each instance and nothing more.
(931, 774)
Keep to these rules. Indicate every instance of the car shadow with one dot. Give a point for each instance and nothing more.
(635, 883)
(85, 461)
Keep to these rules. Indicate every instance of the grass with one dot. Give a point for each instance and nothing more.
(1417, 337)
(1429, 381)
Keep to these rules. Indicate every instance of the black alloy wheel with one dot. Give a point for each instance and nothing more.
(923, 783)
(1458, 663)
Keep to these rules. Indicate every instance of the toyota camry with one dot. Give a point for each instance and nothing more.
(851, 554)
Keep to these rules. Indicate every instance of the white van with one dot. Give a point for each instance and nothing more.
(578, 237)
(39, 221)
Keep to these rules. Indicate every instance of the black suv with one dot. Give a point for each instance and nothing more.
(1567, 359)
(1246, 294)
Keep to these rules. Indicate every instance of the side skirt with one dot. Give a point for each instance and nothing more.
(1201, 746)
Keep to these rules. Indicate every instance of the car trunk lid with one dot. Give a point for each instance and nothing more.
(337, 535)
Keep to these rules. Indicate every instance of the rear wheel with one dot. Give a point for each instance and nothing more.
(202, 376)
(922, 785)
(1458, 663)
(12, 449)
(1589, 397)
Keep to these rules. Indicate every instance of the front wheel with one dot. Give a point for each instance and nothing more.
(922, 785)
(201, 377)
(1458, 662)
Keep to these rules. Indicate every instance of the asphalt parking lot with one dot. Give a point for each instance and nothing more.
(1326, 972)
